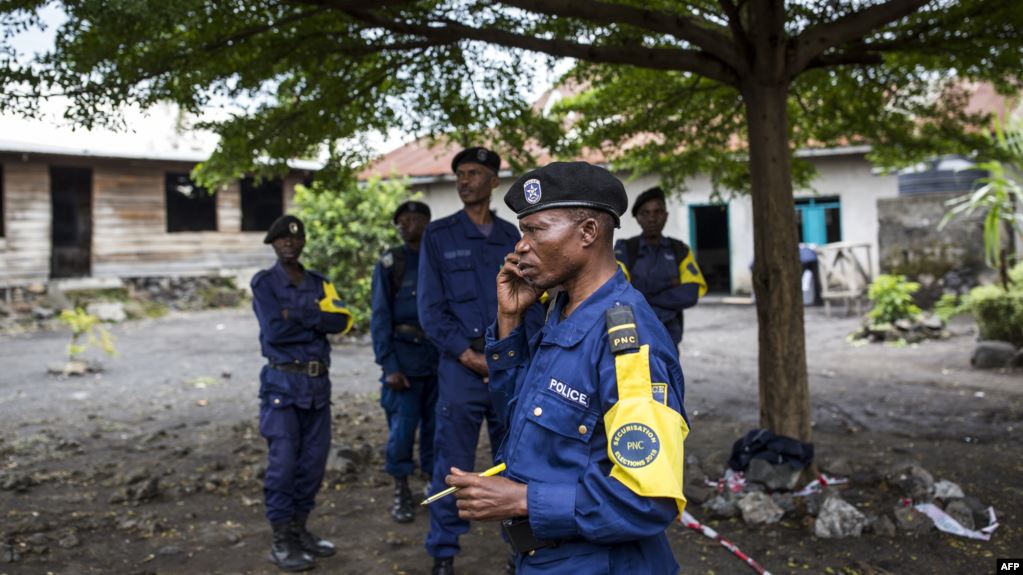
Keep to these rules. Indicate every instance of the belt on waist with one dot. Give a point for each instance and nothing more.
(409, 329)
(313, 368)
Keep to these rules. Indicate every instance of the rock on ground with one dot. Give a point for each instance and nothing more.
(916, 482)
(774, 476)
(912, 521)
(721, 506)
(107, 311)
(759, 508)
(992, 354)
(838, 520)
(946, 490)
(961, 512)
(883, 526)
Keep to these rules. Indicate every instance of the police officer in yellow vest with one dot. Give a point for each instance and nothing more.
(594, 402)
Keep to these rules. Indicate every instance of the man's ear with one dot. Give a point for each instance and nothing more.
(589, 230)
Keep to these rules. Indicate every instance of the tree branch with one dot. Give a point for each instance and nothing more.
(818, 39)
(846, 58)
(738, 33)
(256, 30)
(684, 28)
(444, 31)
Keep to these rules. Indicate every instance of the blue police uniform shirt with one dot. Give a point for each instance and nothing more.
(457, 295)
(302, 337)
(414, 356)
(653, 273)
(555, 390)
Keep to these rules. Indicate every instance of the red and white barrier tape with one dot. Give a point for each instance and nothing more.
(691, 522)
(819, 484)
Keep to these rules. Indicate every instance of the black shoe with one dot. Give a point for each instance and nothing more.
(308, 542)
(402, 509)
(443, 566)
(285, 551)
(509, 567)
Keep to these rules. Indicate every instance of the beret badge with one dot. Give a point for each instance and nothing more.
(532, 191)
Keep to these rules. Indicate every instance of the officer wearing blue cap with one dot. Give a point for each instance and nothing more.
(296, 309)
(408, 359)
(663, 269)
(596, 426)
(457, 300)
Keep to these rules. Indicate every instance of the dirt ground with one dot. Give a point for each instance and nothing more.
(153, 466)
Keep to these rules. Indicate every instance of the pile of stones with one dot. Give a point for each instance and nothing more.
(766, 495)
(914, 330)
(37, 306)
(187, 293)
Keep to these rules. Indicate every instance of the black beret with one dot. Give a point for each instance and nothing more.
(411, 207)
(482, 156)
(567, 185)
(286, 225)
(655, 193)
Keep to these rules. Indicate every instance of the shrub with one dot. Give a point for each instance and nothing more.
(348, 226)
(949, 305)
(1016, 277)
(999, 312)
(84, 324)
(893, 299)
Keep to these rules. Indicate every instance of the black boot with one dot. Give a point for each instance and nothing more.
(443, 566)
(285, 551)
(308, 542)
(402, 510)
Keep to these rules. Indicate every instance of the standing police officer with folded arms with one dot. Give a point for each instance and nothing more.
(406, 356)
(596, 426)
(663, 269)
(296, 309)
(457, 297)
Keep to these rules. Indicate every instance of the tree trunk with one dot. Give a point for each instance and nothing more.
(784, 392)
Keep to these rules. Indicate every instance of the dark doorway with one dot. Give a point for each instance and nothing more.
(262, 203)
(71, 201)
(708, 235)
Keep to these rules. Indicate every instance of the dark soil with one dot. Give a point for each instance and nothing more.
(153, 466)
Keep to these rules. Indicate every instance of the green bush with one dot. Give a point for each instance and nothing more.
(947, 306)
(999, 313)
(348, 226)
(893, 299)
(84, 324)
(1016, 277)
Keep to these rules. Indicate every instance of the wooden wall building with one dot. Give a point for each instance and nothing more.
(64, 216)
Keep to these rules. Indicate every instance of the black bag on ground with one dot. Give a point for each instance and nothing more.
(776, 449)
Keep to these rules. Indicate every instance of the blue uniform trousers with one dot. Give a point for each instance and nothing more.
(462, 405)
(299, 442)
(406, 411)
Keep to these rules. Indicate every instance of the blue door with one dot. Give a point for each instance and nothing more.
(819, 220)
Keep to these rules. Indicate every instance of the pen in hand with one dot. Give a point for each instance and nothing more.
(488, 473)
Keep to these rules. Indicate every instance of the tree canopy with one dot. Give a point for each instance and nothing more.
(727, 88)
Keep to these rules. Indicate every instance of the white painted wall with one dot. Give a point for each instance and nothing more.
(850, 177)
